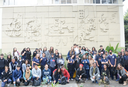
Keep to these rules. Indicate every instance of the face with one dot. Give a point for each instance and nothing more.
(81, 66)
(56, 51)
(37, 55)
(36, 66)
(101, 47)
(63, 68)
(13, 60)
(46, 67)
(43, 54)
(18, 68)
(104, 56)
(119, 66)
(79, 48)
(6, 69)
(8, 56)
(72, 48)
(52, 55)
(28, 49)
(45, 48)
(122, 50)
(90, 57)
(27, 68)
(15, 49)
(26, 61)
(1, 56)
(94, 64)
(77, 56)
(60, 55)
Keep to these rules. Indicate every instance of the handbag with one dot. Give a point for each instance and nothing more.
(36, 83)
(63, 80)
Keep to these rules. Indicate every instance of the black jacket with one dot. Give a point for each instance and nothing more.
(2, 63)
(34, 53)
(105, 73)
(5, 75)
(77, 63)
(57, 75)
(78, 72)
(28, 55)
(120, 59)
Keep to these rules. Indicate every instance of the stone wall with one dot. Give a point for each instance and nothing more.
(59, 26)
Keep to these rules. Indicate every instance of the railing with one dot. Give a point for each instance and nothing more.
(47, 2)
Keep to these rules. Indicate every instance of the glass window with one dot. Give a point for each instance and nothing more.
(57, 2)
(74, 1)
(68, 1)
(96, 1)
(63, 1)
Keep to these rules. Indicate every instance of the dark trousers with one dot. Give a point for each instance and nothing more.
(71, 72)
(87, 72)
(17, 83)
(83, 77)
(42, 67)
(1, 70)
(112, 74)
(52, 69)
(100, 69)
(124, 77)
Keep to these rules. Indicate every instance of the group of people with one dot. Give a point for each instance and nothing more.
(49, 66)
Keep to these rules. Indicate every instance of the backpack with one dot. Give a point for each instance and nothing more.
(36, 83)
(63, 81)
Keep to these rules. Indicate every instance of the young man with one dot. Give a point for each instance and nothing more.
(112, 62)
(2, 64)
(102, 49)
(12, 65)
(36, 72)
(94, 73)
(17, 74)
(6, 77)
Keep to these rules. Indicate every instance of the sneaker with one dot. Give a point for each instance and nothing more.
(96, 82)
(117, 79)
(8, 85)
(92, 81)
(71, 79)
(86, 79)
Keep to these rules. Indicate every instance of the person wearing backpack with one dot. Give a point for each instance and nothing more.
(6, 77)
(80, 73)
(27, 75)
(46, 74)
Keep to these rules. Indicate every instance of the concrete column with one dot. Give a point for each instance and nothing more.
(122, 35)
(1, 4)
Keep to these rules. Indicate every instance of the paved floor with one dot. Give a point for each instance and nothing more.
(87, 84)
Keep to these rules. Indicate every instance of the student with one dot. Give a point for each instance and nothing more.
(12, 65)
(80, 73)
(43, 61)
(60, 60)
(112, 62)
(46, 73)
(94, 73)
(24, 65)
(40, 52)
(122, 74)
(52, 63)
(28, 54)
(104, 61)
(76, 49)
(77, 62)
(17, 74)
(51, 50)
(36, 72)
(15, 53)
(98, 60)
(23, 53)
(120, 59)
(2, 64)
(27, 75)
(65, 73)
(93, 50)
(91, 60)
(105, 74)
(71, 66)
(70, 53)
(6, 77)
(9, 59)
(57, 75)
(48, 55)
(35, 60)
(56, 55)
(35, 52)
(85, 62)
(126, 60)
(102, 49)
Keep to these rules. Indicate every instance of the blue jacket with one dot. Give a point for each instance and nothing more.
(125, 57)
(43, 61)
(46, 73)
(16, 75)
(86, 65)
(69, 55)
(98, 59)
(52, 62)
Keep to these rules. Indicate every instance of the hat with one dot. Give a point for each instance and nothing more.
(81, 65)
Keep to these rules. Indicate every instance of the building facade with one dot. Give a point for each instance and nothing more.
(61, 23)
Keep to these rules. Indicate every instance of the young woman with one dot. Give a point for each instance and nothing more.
(105, 74)
(91, 60)
(80, 73)
(28, 54)
(27, 75)
(104, 60)
(85, 62)
(93, 50)
(48, 55)
(15, 53)
(43, 61)
(83, 48)
(71, 66)
(40, 52)
(9, 59)
(6, 77)
(70, 53)
(122, 74)
(24, 65)
(36, 60)
(23, 53)
(46, 73)
(51, 50)
(56, 55)
(57, 75)
(60, 60)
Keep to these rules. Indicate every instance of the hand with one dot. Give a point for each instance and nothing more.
(14, 82)
(37, 78)
(114, 65)
(111, 65)
(5, 80)
(54, 81)
(120, 77)
(25, 80)
(86, 62)
(93, 77)
(80, 76)
(67, 80)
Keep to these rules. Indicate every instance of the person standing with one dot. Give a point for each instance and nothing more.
(126, 60)
(28, 54)
(43, 61)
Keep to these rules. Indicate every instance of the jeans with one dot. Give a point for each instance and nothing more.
(87, 72)
(7, 82)
(71, 74)
(1, 70)
(52, 69)
(46, 79)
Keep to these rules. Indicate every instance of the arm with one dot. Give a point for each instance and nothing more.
(20, 75)
(98, 72)
(68, 75)
(10, 67)
(90, 72)
(24, 75)
(13, 76)
(115, 63)
(30, 75)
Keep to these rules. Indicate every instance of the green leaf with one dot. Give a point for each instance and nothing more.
(116, 48)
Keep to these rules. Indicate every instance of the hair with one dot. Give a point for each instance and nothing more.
(6, 67)
(51, 51)
(43, 49)
(94, 48)
(1, 54)
(44, 53)
(61, 55)
(28, 48)
(83, 48)
(118, 67)
(74, 44)
(9, 59)
(85, 57)
(27, 60)
(56, 72)
(72, 51)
